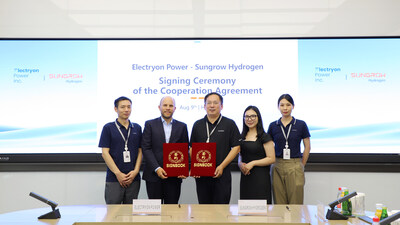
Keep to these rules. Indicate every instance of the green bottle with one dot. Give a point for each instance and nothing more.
(384, 213)
(346, 205)
(350, 207)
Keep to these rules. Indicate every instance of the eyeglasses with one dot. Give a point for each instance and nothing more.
(251, 117)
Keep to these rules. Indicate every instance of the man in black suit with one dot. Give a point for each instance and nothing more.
(156, 132)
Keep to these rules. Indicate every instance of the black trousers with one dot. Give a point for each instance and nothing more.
(214, 190)
(168, 190)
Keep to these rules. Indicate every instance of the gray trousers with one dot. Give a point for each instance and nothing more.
(116, 194)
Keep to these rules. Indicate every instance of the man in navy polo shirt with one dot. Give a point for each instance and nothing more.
(121, 150)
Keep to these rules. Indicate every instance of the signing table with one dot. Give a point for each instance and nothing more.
(175, 214)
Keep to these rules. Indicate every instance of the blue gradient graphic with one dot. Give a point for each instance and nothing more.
(371, 136)
(74, 135)
(49, 88)
(349, 88)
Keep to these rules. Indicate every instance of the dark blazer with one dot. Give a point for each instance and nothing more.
(153, 139)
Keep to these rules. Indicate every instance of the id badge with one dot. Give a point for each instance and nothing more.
(127, 156)
(286, 153)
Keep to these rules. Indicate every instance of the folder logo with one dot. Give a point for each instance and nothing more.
(176, 156)
(203, 156)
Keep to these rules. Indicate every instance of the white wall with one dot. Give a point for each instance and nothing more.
(196, 18)
(77, 188)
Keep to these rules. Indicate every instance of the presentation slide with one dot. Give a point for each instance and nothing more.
(48, 96)
(56, 95)
(348, 91)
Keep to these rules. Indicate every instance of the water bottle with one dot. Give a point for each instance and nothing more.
(339, 195)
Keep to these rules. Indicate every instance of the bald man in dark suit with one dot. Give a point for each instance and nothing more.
(156, 132)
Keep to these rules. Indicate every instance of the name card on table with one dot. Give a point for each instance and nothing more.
(146, 206)
(252, 207)
(176, 159)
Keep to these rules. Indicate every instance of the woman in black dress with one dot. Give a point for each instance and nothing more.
(257, 153)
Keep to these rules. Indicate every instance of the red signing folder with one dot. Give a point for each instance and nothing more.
(203, 159)
(176, 159)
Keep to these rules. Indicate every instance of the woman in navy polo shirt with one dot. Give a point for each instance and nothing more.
(288, 170)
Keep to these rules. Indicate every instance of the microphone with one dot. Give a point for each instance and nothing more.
(333, 214)
(55, 214)
(342, 199)
(43, 199)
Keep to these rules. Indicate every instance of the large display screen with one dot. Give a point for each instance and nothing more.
(56, 95)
